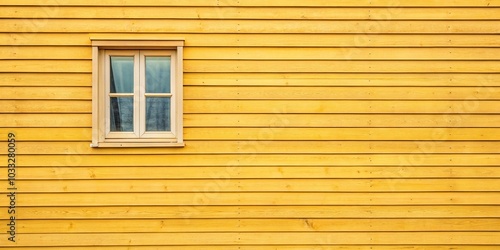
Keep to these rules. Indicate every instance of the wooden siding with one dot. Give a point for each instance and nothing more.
(308, 125)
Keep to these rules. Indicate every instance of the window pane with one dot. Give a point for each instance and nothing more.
(158, 114)
(157, 74)
(122, 114)
(122, 74)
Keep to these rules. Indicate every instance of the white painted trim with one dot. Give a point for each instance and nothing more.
(137, 43)
(95, 96)
(179, 84)
(102, 49)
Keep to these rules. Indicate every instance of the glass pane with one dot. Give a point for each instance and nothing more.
(122, 114)
(122, 74)
(158, 114)
(157, 74)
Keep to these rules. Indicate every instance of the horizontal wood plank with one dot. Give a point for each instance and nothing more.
(348, 41)
(343, 93)
(297, 53)
(351, 238)
(282, 107)
(268, 147)
(260, 185)
(46, 79)
(45, 93)
(236, 12)
(229, 66)
(45, 52)
(46, 66)
(271, 53)
(255, 225)
(345, 79)
(270, 212)
(46, 120)
(261, 199)
(67, 170)
(252, 26)
(337, 120)
(280, 3)
(280, 247)
(278, 133)
(32, 107)
(263, 160)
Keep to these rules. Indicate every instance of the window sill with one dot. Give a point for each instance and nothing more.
(137, 145)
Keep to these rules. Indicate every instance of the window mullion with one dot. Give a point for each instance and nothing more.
(137, 106)
(142, 91)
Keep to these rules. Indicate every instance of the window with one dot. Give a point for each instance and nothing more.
(137, 93)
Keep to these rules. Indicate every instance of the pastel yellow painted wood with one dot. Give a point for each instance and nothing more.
(268, 147)
(235, 12)
(45, 79)
(258, 212)
(19, 107)
(249, 225)
(348, 238)
(335, 120)
(45, 66)
(49, 134)
(261, 199)
(345, 79)
(33, 52)
(278, 3)
(443, 108)
(278, 133)
(348, 41)
(251, 26)
(281, 247)
(45, 93)
(341, 66)
(309, 124)
(46, 120)
(328, 93)
(261, 185)
(269, 160)
(66, 169)
(214, 53)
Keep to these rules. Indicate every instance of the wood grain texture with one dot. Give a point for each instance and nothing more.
(261, 185)
(252, 26)
(256, 212)
(244, 12)
(280, 3)
(252, 225)
(350, 238)
(349, 41)
(69, 168)
(320, 124)
(268, 147)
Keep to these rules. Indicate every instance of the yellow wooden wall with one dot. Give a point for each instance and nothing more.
(309, 124)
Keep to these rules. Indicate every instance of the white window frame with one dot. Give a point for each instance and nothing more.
(102, 49)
